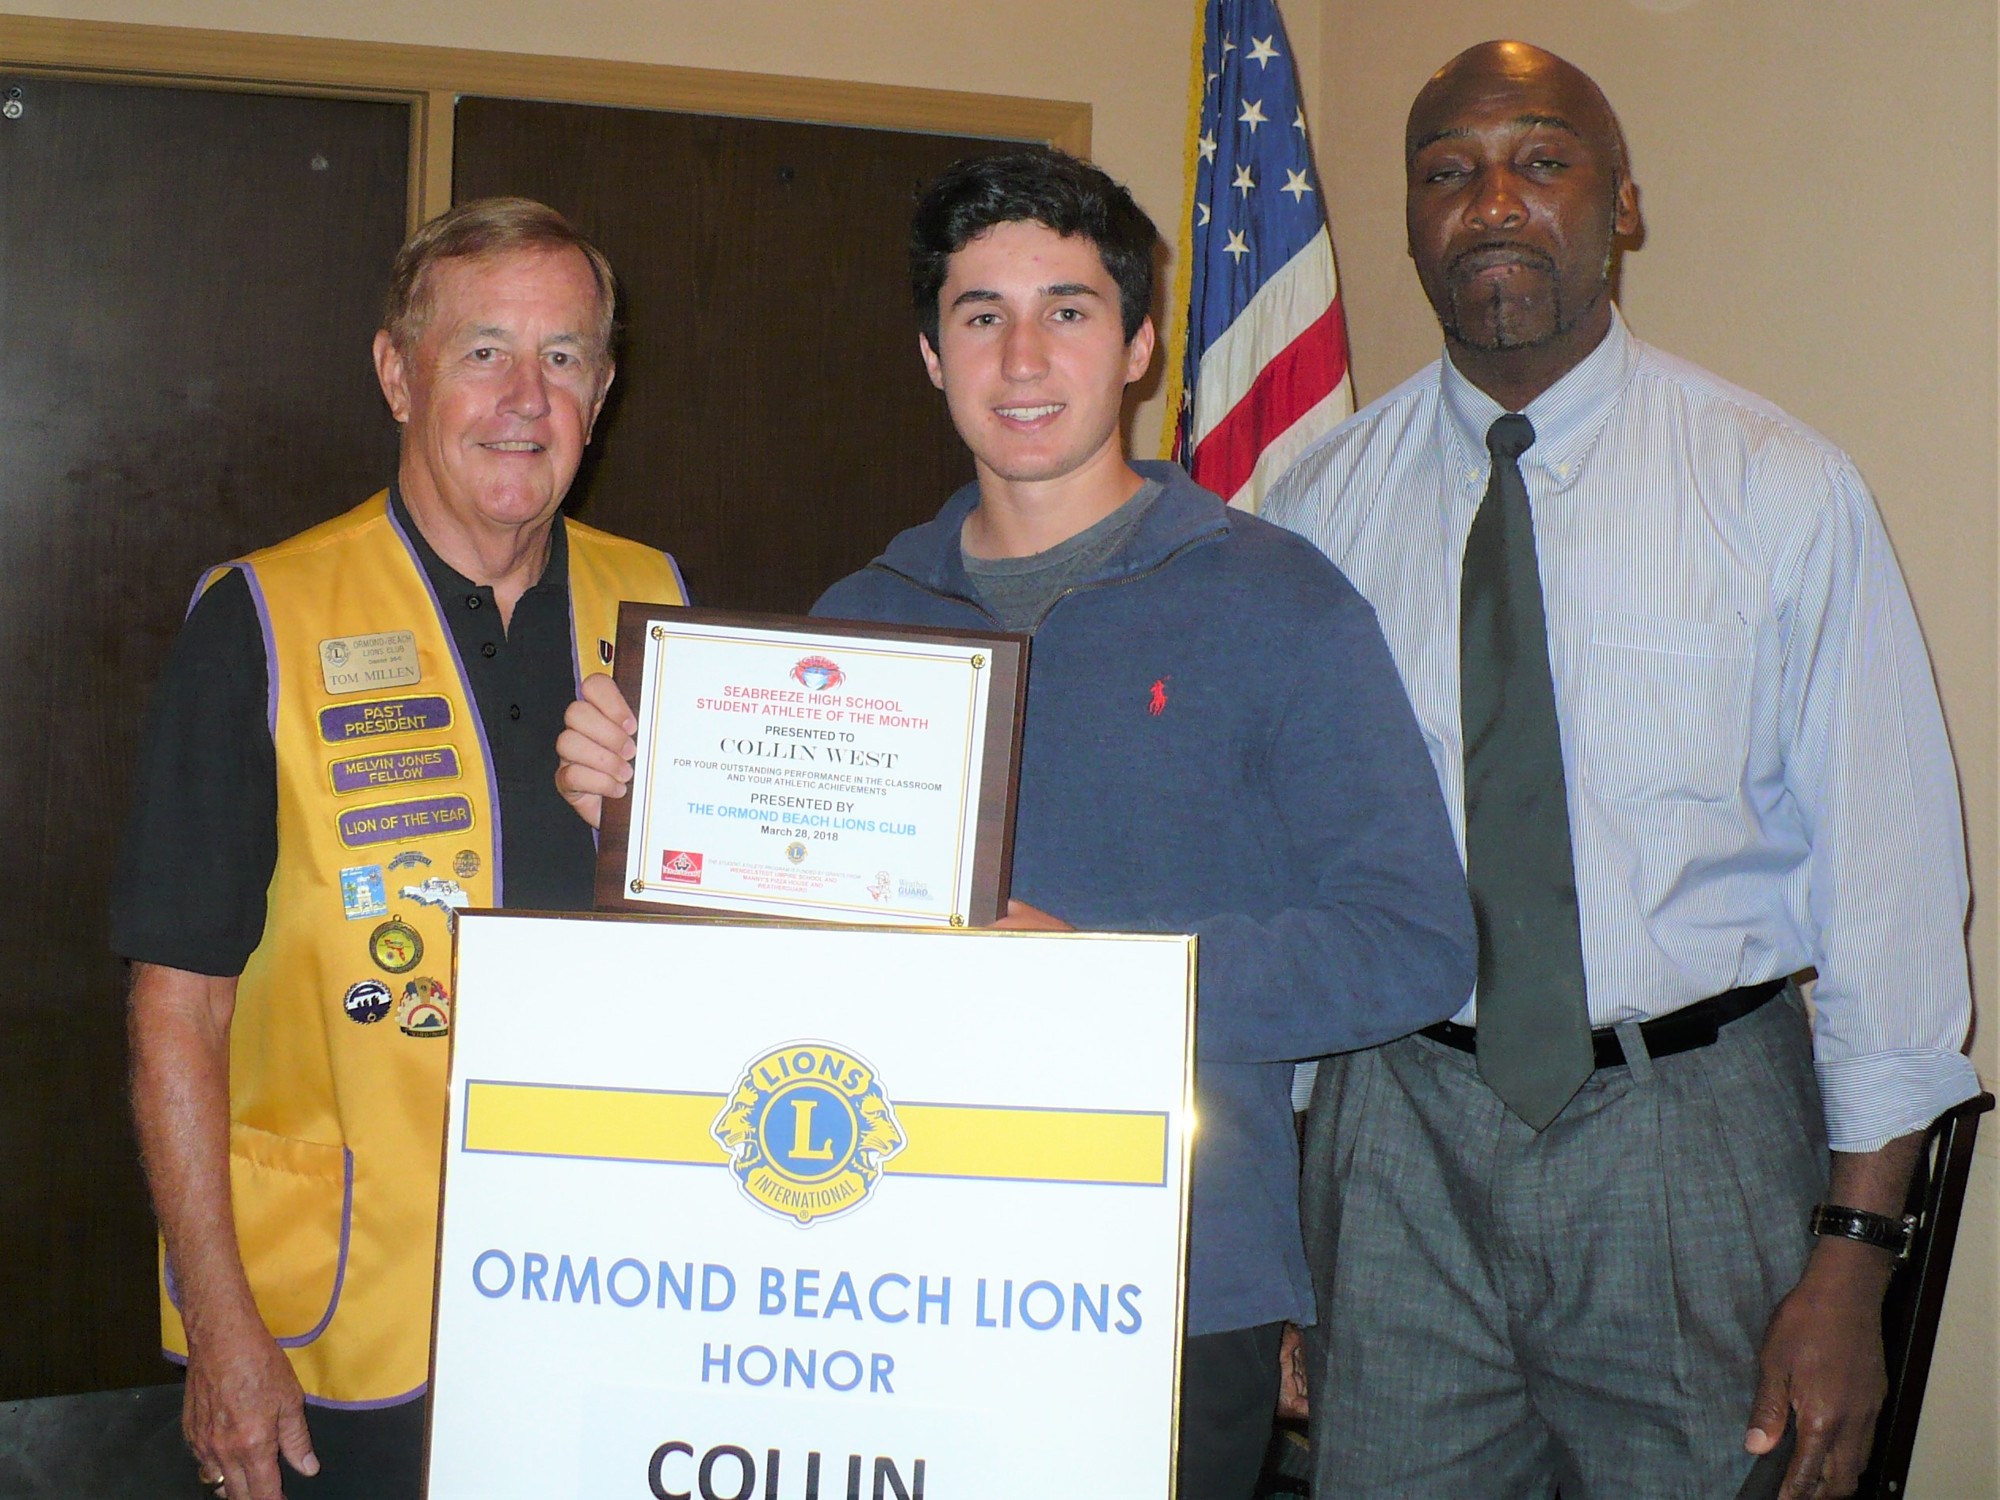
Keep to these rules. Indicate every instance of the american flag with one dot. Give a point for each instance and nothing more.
(1264, 366)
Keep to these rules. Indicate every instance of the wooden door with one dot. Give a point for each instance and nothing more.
(771, 424)
(189, 282)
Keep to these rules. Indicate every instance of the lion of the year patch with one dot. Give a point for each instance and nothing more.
(364, 663)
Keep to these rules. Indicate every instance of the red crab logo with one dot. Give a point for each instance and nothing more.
(818, 674)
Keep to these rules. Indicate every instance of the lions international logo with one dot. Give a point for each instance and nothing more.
(807, 1129)
(818, 673)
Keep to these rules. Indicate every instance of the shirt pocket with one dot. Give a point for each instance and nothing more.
(1668, 708)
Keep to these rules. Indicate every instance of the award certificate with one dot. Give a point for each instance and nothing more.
(814, 769)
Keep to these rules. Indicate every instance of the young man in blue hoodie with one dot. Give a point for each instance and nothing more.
(1216, 740)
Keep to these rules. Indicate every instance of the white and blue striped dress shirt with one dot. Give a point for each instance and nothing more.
(1759, 780)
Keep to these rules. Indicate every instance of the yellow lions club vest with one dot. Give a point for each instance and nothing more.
(387, 815)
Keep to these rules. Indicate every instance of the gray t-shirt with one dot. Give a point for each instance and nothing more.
(1018, 591)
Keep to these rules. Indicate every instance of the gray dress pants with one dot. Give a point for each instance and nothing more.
(1502, 1313)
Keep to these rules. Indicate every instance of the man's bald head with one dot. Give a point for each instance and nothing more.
(1491, 67)
(1518, 190)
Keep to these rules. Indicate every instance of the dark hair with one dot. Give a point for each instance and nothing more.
(1042, 186)
(473, 231)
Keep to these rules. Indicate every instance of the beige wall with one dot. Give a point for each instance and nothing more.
(1819, 182)
(1819, 186)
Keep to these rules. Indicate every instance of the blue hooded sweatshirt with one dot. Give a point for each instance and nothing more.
(1217, 742)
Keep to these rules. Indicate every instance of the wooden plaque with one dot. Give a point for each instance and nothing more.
(807, 769)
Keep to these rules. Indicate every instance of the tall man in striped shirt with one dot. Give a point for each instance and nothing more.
(1600, 1278)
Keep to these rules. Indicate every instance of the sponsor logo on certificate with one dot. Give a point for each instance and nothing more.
(680, 865)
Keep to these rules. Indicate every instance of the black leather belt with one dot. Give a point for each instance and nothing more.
(1685, 1030)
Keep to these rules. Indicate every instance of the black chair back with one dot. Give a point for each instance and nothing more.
(1915, 1300)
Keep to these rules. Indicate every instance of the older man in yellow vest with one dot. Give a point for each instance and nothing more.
(352, 739)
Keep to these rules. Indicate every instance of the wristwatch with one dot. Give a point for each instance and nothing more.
(1897, 1236)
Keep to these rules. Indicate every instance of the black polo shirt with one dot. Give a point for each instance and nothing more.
(201, 841)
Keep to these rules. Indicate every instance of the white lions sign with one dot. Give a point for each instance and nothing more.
(810, 1213)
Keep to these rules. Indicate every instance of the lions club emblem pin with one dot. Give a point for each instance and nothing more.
(425, 1009)
(395, 946)
(807, 1129)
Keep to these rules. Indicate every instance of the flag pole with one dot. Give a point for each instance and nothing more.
(1178, 311)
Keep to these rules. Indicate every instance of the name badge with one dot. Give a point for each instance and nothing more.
(363, 663)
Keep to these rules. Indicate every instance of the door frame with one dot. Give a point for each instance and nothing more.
(432, 79)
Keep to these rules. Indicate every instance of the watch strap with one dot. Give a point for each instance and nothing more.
(1897, 1236)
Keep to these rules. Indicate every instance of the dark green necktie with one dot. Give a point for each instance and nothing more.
(1534, 1025)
